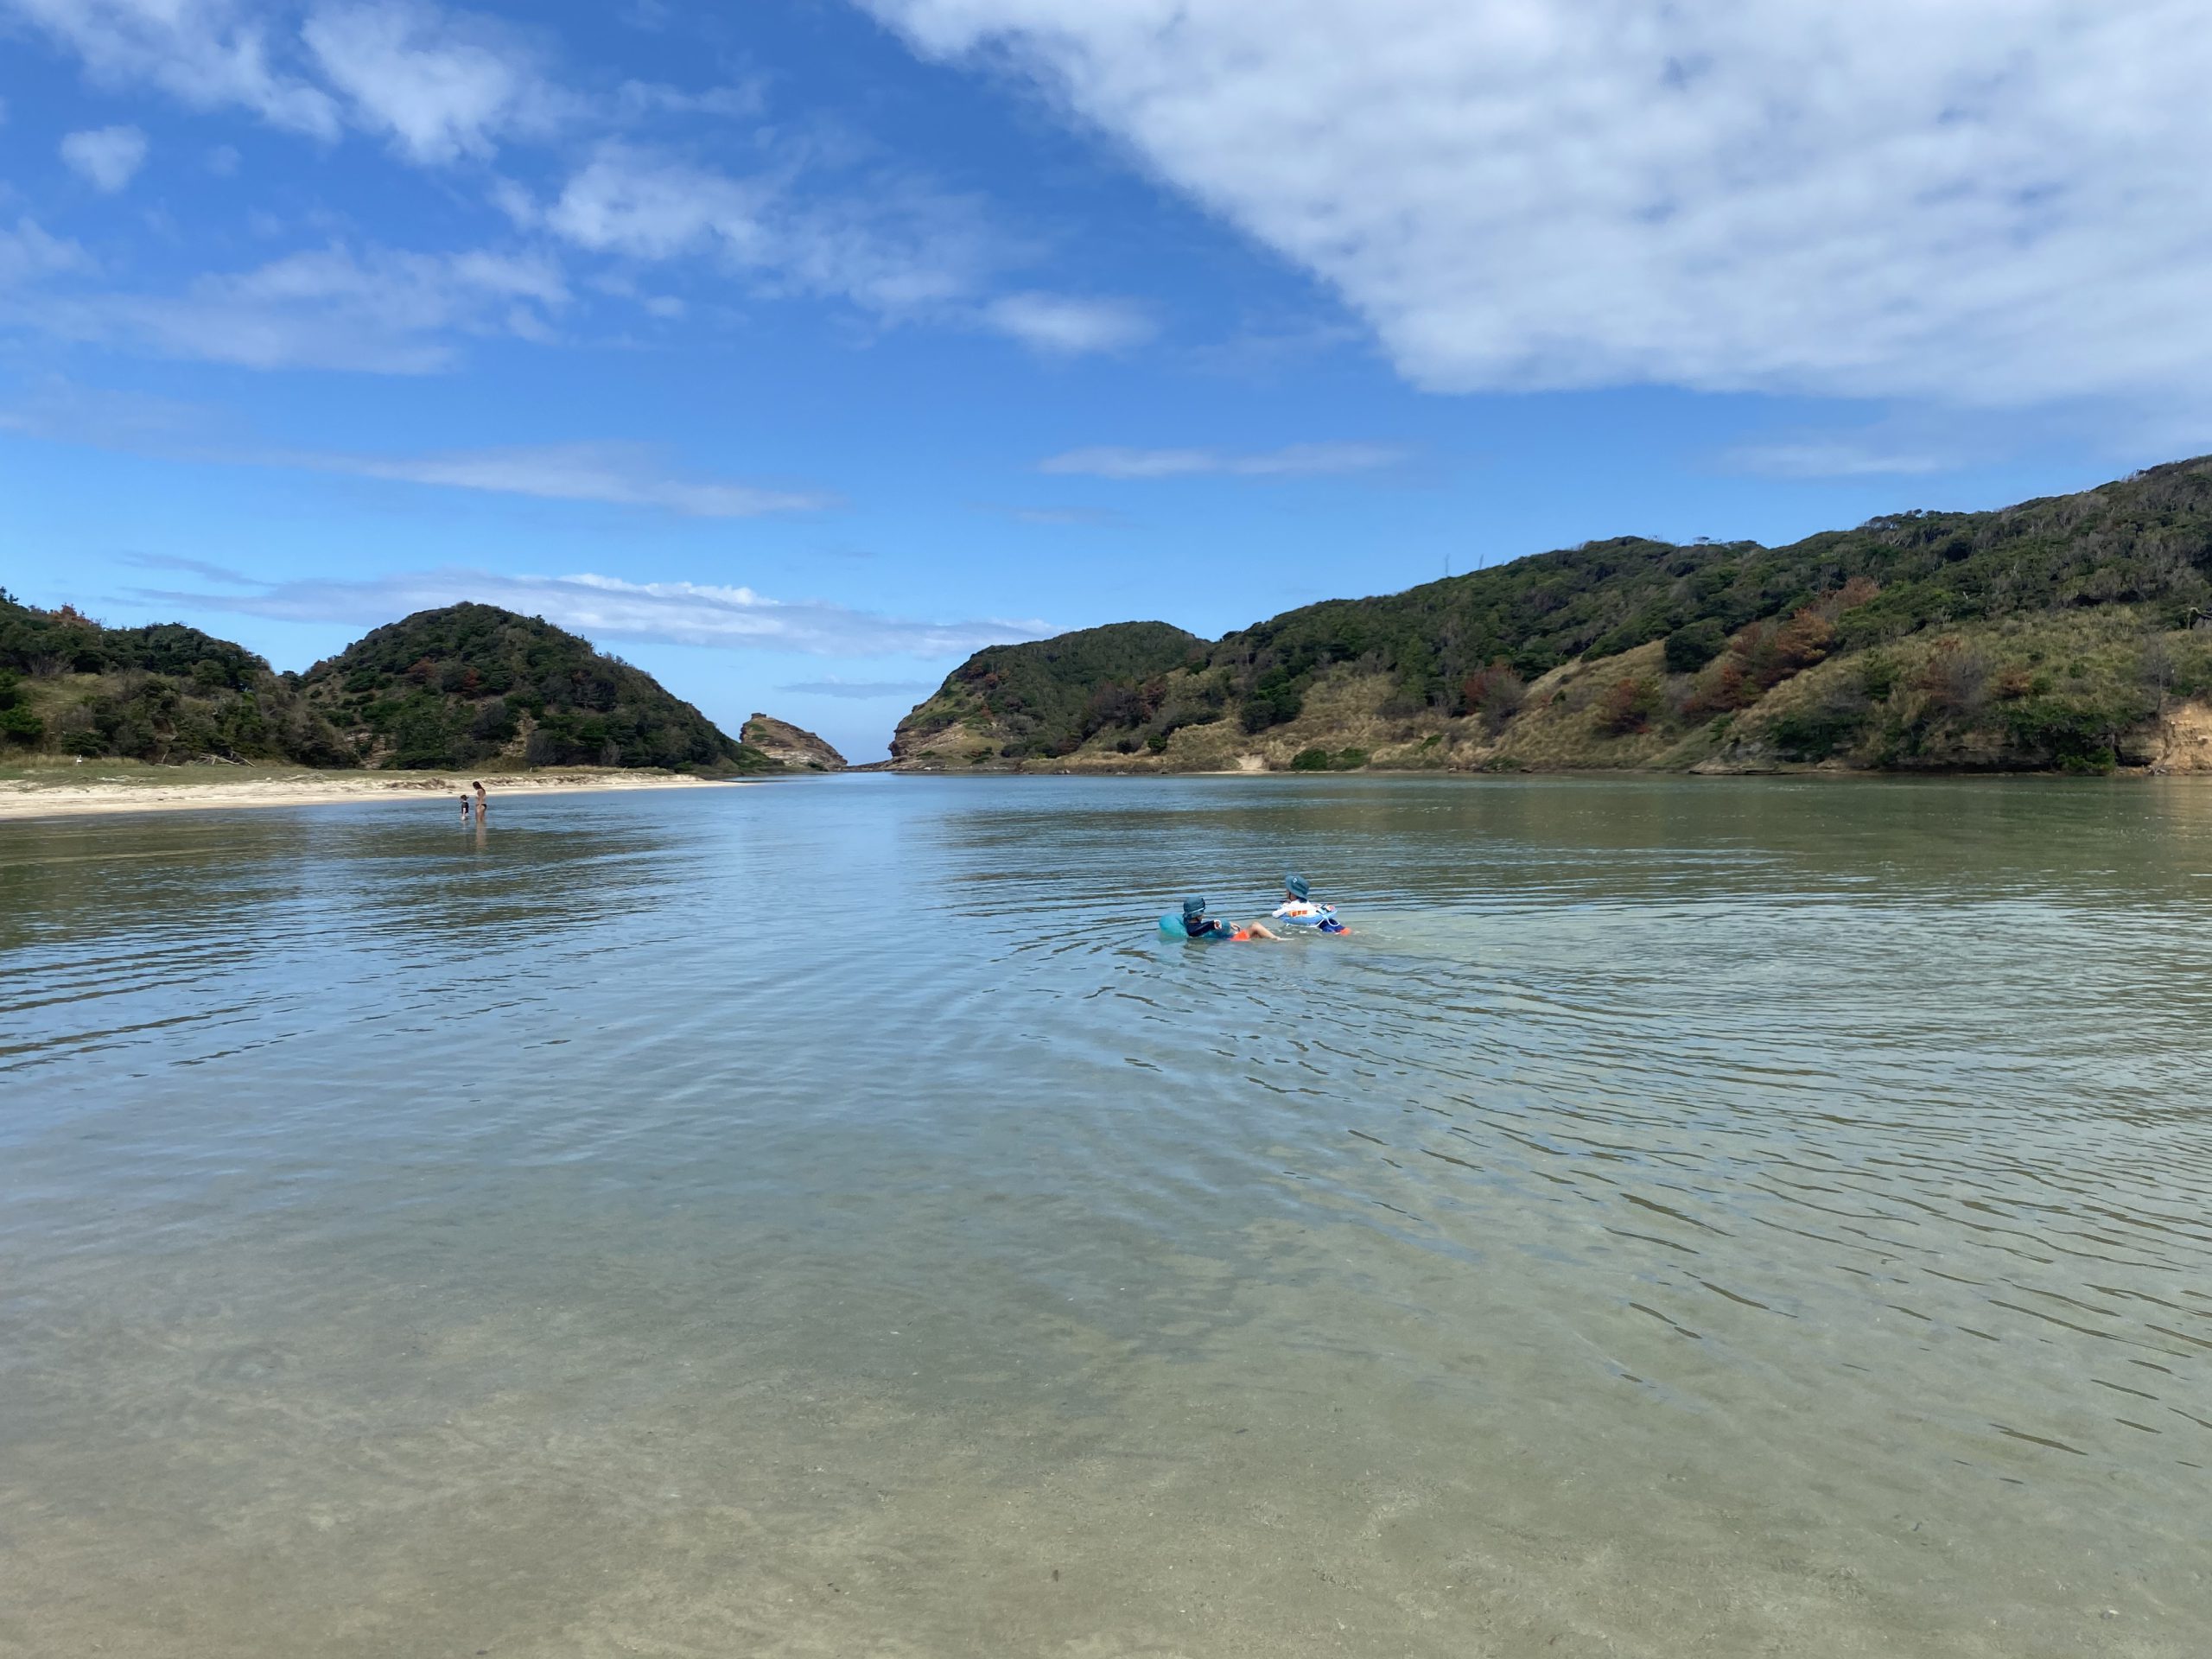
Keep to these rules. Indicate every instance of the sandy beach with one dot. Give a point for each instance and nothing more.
(105, 786)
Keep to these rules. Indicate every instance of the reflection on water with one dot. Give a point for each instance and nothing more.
(1685, 1218)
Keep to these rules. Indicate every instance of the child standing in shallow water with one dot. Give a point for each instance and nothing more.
(464, 809)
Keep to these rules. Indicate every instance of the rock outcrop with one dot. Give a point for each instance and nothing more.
(781, 740)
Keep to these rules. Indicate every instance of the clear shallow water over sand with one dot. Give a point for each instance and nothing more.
(1689, 1219)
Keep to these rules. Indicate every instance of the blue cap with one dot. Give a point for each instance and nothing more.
(1194, 907)
(1295, 886)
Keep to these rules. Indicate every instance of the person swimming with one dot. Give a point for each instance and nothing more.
(1197, 926)
(1298, 909)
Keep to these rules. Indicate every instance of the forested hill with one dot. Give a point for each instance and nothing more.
(2058, 631)
(1048, 696)
(161, 693)
(472, 684)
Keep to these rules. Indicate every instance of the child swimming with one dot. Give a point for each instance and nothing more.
(1197, 925)
(1298, 909)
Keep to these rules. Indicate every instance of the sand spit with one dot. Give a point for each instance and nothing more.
(66, 792)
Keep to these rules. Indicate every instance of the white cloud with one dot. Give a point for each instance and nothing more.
(106, 157)
(379, 312)
(1065, 326)
(442, 84)
(207, 53)
(1985, 203)
(1294, 460)
(897, 250)
(606, 607)
(630, 201)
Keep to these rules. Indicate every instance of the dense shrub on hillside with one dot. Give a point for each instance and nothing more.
(18, 724)
(473, 683)
(1628, 705)
(162, 693)
(1048, 697)
(1495, 693)
(2144, 539)
(1733, 622)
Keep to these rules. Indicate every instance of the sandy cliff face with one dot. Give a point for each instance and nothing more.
(781, 740)
(2184, 738)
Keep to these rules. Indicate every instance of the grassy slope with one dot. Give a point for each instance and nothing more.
(473, 685)
(2046, 634)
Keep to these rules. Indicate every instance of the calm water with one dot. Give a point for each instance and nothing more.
(1699, 1218)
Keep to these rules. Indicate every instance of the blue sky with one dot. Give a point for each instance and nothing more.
(794, 349)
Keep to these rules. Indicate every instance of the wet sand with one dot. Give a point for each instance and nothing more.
(71, 792)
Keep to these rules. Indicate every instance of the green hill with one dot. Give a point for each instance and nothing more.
(2060, 632)
(1048, 698)
(473, 685)
(163, 693)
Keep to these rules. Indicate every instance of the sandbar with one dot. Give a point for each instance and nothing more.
(60, 791)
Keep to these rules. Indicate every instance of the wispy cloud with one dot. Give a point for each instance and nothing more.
(107, 158)
(887, 242)
(207, 53)
(897, 249)
(860, 690)
(29, 253)
(1835, 458)
(645, 97)
(200, 567)
(1066, 518)
(1063, 325)
(607, 607)
(619, 475)
(376, 311)
(440, 84)
(1294, 460)
(443, 85)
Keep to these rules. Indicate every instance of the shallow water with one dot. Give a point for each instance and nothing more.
(1687, 1218)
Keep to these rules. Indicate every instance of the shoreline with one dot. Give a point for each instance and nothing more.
(209, 789)
(1796, 772)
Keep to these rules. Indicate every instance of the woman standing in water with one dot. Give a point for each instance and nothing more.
(482, 803)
